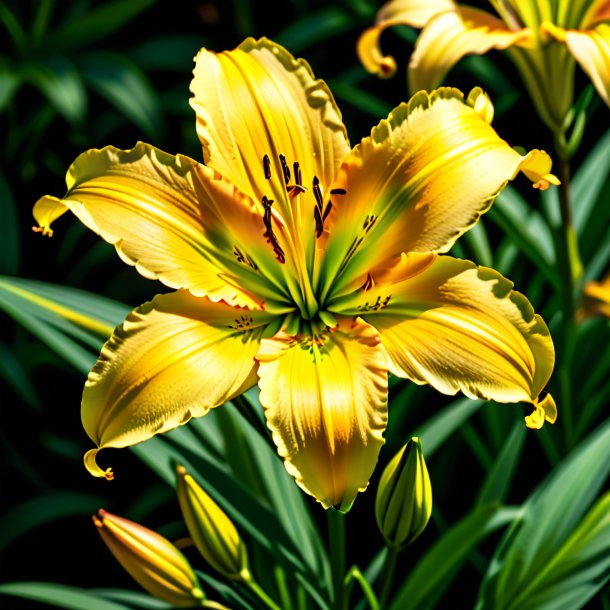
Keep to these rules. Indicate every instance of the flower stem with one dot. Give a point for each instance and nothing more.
(570, 268)
(389, 566)
(336, 533)
(257, 590)
(354, 574)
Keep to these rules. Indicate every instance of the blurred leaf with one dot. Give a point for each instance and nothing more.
(363, 101)
(9, 229)
(12, 26)
(13, 373)
(61, 596)
(439, 427)
(433, 572)
(588, 183)
(96, 24)
(497, 483)
(59, 81)
(527, 229)
(123, 84)
(174, 52)
(43, 510)
(315, 28)
(9, 83)
(478, 241)
(549, 518)
(132, 598)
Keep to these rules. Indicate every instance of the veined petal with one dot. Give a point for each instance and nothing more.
(257, 101)
(451, 35)
(591, 49)
(173, 358)
(174, 219)
(459, 327)
(597, 11)
(415, 13)
(325, 399)
(421, 179)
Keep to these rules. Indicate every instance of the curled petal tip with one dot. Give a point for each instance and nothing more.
(544, 410)
(94, 469)
(46, 231)
(546, 181)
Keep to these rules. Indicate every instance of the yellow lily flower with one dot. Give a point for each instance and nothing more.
(544, 39)
(305, 265)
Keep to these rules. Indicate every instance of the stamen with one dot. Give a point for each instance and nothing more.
(329, 207)
(295, 189)
(297, 173)
(269, 234)
(319, 221)
(338, 192)
(368, 284)
(285, 169)
(267, 167)
(317, 192)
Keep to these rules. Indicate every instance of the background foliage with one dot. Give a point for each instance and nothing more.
(76, 74)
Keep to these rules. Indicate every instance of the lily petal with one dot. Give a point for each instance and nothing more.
(325, 399)
(173, 358)
(415, 13)
(459, 327)
(451, 35)
(174, 219)
(259, 100)
(591, 49)
(423, 177)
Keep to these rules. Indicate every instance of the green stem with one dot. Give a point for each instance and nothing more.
(355, 574)
(256, 588)
(336, 533)
(570, 268)
(389, 566)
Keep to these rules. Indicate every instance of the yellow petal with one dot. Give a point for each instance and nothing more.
(591, 49)
(450, 36)
(172, 359)
(415, 13)
(258, 101)
(174, 219)
(459, 327)
(325, 402)
(597, 12)
(422, 179)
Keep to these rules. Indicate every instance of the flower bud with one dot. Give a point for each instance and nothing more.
(152, 560)
(213, 533)
(404, 497)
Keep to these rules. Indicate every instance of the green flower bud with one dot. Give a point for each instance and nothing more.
(404, 497)
(152, 560)
(213, 533)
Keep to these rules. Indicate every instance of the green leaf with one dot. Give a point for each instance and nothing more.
(59, 81)
(9, 83)
(314, 29)
(437, 428)
(9, 228)
(126, 87)
(588, 183)
(549, 518)
(63, 318)
(478, 241)
(360, 99)
(527, 229)
(432, 574)
(498, 481)
(15, 375)
(132, 598)
(43, 510)
(174, 52)
(60, 596)
(96, 24)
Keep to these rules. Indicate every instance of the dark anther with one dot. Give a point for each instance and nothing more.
(338, 192)
(269, 234)
(319, 221)
(368, 284)
(267, 167)
(285, 169)
(317, 192)
(329, 207)
(297, 173)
